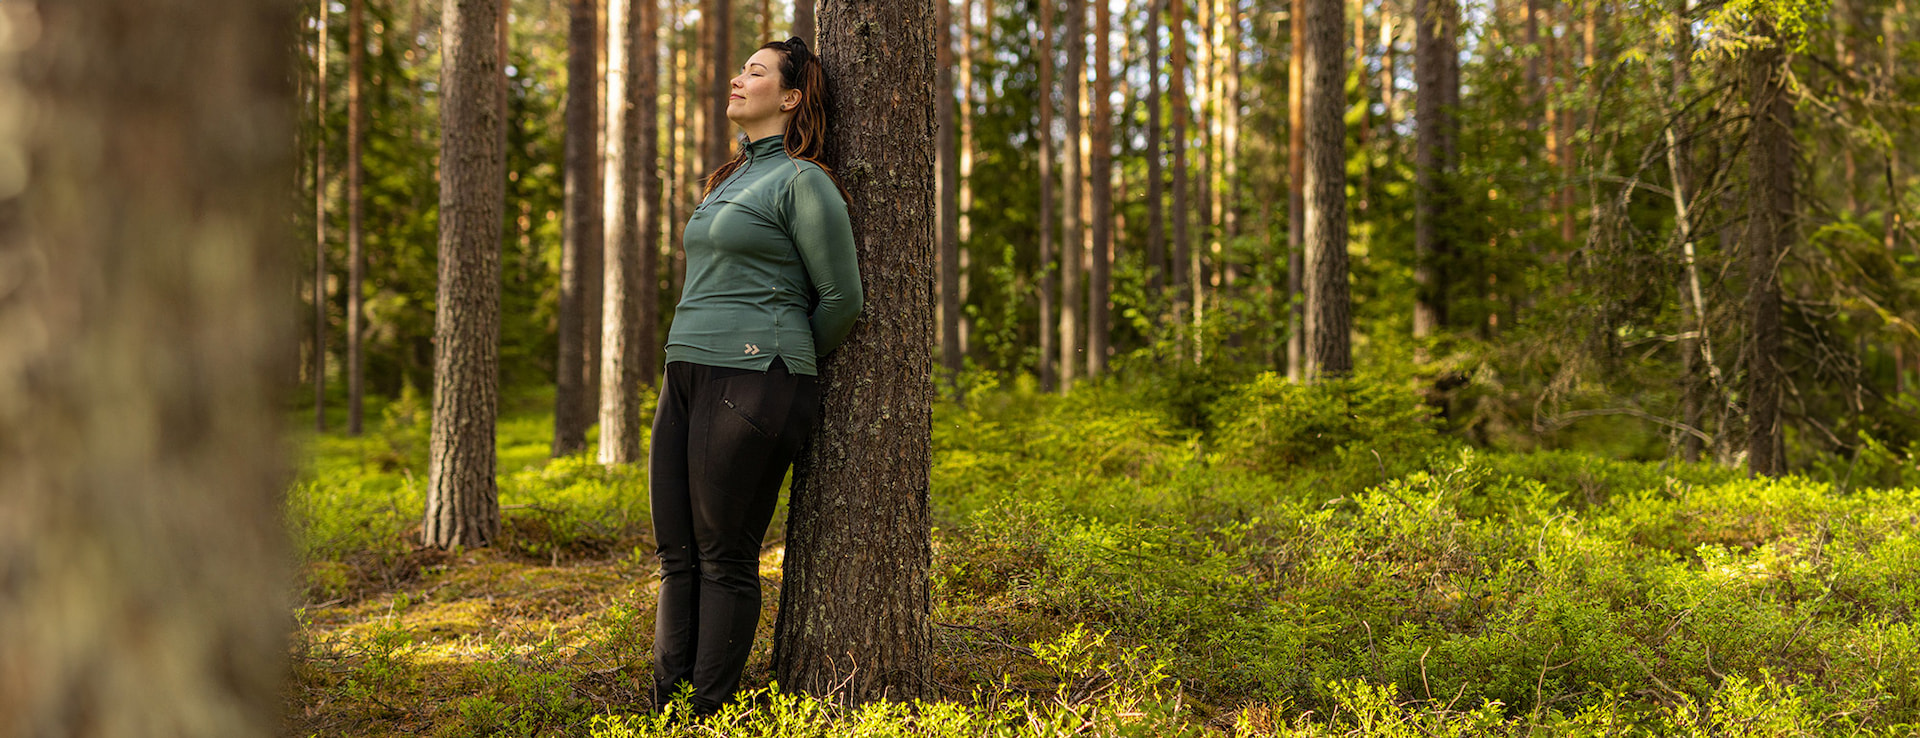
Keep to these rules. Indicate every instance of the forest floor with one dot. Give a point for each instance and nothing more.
(1287, 562)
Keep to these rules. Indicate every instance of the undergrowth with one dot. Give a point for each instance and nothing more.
(1253, 558)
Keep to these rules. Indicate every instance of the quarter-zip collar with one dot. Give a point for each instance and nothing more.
(762, 148)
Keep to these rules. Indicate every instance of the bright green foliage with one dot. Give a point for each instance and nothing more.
(1277, 427)
(1102, 569)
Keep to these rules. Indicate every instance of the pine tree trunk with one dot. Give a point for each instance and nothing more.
(803, 22)
(1296, 192)
(1100, 167)
(949, 203)
(628, 337)
(356, 257)
(964, 209)
(716, 17)
(1048, 377)
(1429, 163)
(1892, 222)
(854, 601)
(1156, 174)
(1177, 145)
(1770, 224)
(679, 162)
(147, 337)
(1329, 318)
(1680, 162)
(463, 506)
(582, 231)
(1073, 235)
(320, 226)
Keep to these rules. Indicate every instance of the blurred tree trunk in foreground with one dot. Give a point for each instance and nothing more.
(144, 333)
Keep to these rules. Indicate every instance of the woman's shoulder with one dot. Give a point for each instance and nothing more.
(808, 176)
(805, 169)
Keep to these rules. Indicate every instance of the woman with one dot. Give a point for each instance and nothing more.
(772, 285)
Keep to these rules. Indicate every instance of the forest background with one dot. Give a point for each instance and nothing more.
(1547, 281)
(1557, 217)
(1308, 369)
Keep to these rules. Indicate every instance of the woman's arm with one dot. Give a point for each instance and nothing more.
(825, 237)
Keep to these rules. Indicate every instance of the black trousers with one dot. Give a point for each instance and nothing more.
(722, 441)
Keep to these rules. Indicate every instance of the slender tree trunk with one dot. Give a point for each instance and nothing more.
(1048, 377)
(680, 158)
(1230, 217)
(854, 601)
(1156, 174)
(1891, 221)
(1177, 145)
(1567, 128)
(964, 198)
(1770, 224)
(1329, 318)
(717, 18)
(1533, 90)
(1389, 69)
(356, 256)
(320, 227)
(1429, 162)
(1365, 133)
(803, 22)
(1072, 235)
(582, 231)
(949, 203)
(146, 345)
(463, 506)
(628, 337)
(1099, 273)
(590, 260)
(1692, 307)
(1296, 192)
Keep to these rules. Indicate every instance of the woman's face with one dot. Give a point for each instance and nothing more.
(755, 96)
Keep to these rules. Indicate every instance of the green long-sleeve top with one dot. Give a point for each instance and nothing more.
(770, 268)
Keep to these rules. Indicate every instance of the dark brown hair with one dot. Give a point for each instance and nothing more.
(806, 134)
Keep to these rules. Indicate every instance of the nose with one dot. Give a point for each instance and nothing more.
(735, 83)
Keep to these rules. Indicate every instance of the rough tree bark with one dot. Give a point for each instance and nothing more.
(1048, 377)
(463, 507)
(631, 313)
(1329, 319)
(1770, 224)
(1100, 171)
(582, 230)
(854, 617)
(356, 258)
(144, 342)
